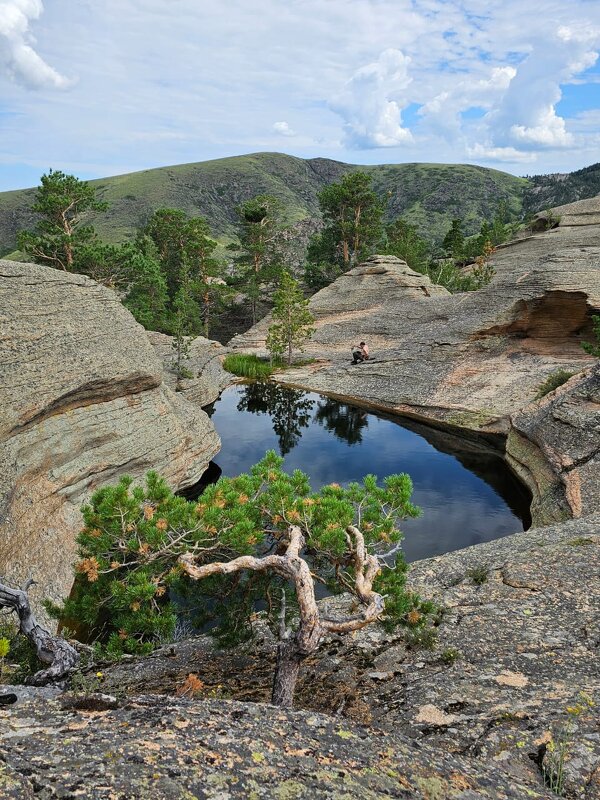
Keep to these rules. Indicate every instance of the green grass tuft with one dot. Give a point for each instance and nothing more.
(478, 574)
(247, 366)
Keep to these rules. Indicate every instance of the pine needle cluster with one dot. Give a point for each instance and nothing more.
(130, 590)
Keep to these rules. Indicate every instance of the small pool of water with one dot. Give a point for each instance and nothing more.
(467, 494)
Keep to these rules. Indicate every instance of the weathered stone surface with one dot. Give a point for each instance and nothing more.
(468, 359)
(582, 212)
(156, 748)
(513, 653)
(81, 402)
(555, 445)
(205, 362)
(471, 360)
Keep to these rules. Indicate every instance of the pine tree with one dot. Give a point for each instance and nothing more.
(147, 296)
(258, 259)
(166, 230)
(61, 200)
(185, 250)
(205, 269)
(403, 241)
(183, 321)
(293, 322)
(454, 240)
(352, 214)
(259, 536)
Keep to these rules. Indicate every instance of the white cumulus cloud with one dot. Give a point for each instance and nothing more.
(441, 114)
(526, 117)
(20, 59)
(371, 102)
(506, 154)
(283, 129)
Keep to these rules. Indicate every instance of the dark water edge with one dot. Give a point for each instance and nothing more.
(467, 493)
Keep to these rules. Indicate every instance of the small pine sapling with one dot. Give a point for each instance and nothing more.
(292, 321)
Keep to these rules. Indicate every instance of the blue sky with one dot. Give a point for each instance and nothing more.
(102, 87)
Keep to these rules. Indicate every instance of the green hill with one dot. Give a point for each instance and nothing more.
(548, 191)
(429, 195)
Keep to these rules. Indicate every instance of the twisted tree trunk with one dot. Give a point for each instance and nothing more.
(52, 650)
(287, 669)
(293, 649)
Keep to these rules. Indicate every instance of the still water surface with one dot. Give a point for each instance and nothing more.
(467, 495)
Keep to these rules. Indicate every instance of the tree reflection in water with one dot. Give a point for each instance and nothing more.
(289, 410)
(345, 422)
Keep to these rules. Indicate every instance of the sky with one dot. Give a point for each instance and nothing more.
(105, 87)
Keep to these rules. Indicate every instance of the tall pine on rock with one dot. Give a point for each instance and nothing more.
(60, 201)
(293, 322)
(352, 214)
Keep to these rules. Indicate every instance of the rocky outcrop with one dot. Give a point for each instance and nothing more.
(581, 212)
(82, 402)
(155, 748)
(515, 651)
(554, 445)
(471, 360)
(205, 364)
(467, 359)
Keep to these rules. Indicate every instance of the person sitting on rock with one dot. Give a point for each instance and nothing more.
(360, 353)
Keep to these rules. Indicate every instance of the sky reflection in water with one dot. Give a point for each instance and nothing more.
(467, 496)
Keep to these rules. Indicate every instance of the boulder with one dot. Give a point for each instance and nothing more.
(82, 402)
(205, 364)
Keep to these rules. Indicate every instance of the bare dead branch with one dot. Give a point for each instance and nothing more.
(52, 650)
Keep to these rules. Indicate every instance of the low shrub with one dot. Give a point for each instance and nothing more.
(479, 574)
(552, 382)
(447, 273)
(18, 658)
(450, 655)
(423, 638)
(593, 348)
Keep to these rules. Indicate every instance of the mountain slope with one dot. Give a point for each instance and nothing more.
(430, 195)
(549, 191)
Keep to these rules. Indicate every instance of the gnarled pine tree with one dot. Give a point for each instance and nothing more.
(256, 537)
(52, 650)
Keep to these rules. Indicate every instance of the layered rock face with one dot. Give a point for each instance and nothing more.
(554, 445)
(82, 402)
(468, 359)
(472, 360)
(204, 364)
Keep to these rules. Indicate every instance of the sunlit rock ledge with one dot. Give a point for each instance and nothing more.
(475, 361)
(82, 402)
